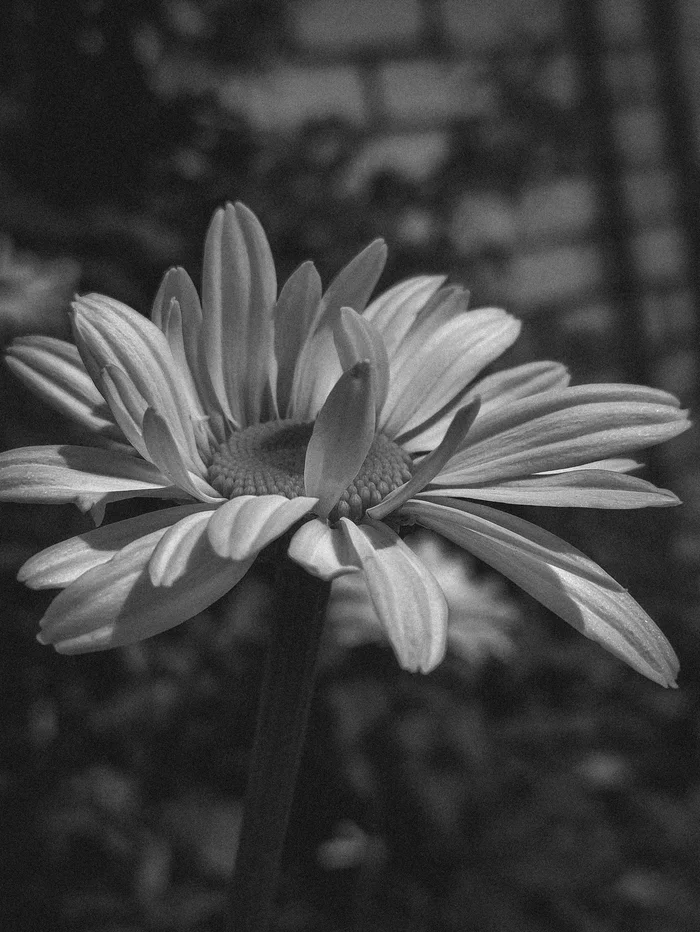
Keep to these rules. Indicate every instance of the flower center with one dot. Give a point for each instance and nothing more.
(268, 459)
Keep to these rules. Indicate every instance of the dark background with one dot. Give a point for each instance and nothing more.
(544, 154)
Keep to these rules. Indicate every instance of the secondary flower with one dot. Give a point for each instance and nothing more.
(334, 424)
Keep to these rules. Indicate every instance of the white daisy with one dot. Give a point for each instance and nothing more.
(331, 424)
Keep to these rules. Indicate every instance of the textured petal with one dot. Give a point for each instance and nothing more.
(509, 385)
(109, 333)
(164, 453)
(173, 329)
(357, 339)
(556, 430)
(127, 406)
(440, 368)
(60, 565)
(322, 550)
(245, 525)
(430, 465)
(406, 596)
(178, 286)
(239, 288)
(578, 488)
(559, 576)
(494, 391)
(394, 312)
(54, 370)
(117, 604)
(82, 475)
(174, 550)
(341, 438)
(318, 367)
(294, 312)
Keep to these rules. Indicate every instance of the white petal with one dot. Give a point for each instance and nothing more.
(341, 438)
(239, 288)
(60, 565)
(431, 464)
(82, 475)
(163, 451)
(406, 596)
(318, 368)
(295, 309)
(564, 428)
(558, 576)
(172, 555)
(245, 525)
(443, 365)
(54, 370)
(578, 488)
(109, 333)
(117, 604)
(495, 391)
(394, 312)
(127, 406)
(357, 339)
(321, 550)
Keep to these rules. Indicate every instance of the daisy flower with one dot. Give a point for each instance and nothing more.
(331, 424)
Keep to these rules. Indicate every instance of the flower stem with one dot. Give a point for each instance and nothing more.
(283, 715)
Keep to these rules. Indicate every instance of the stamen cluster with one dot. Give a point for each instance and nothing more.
(268, 459)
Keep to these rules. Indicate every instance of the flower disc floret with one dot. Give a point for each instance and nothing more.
(268, 459)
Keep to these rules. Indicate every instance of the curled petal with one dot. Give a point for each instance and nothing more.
(495, 391)
(577, 488)
(174, 550)
(557, 575)
(245, 525)
(564, 428)
(164, 452)
(322, 550)
(357, 339)
(82, 475)
(318, 369)
(295, 309)
(408, 600)
(108, 333)
(53, 369)
(60, 565)
(341, 438)
(239, 287)
(447, 359)
(116, 603)
(431, 464)
(394, 312)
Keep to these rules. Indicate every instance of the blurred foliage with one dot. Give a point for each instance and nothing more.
(531, 787)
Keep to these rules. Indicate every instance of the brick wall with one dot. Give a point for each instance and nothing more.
(581, 227)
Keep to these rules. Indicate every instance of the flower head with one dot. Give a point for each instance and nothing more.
(332, 424)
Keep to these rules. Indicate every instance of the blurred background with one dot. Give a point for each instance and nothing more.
(544, 153)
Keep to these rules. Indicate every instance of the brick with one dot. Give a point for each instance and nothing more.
(689, 13)
(413, 156)
(424, 92)
(556, 275)
(594, 321)
(285, 98)
(668, 315)
(639, 135)
(649, 195)
(630, 73)
(340, 24)
(659, 253)
(621, 20)
(482, 23)
(566, 206)
(678, 372)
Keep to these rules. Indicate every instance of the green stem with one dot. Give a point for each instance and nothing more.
(283, 715)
